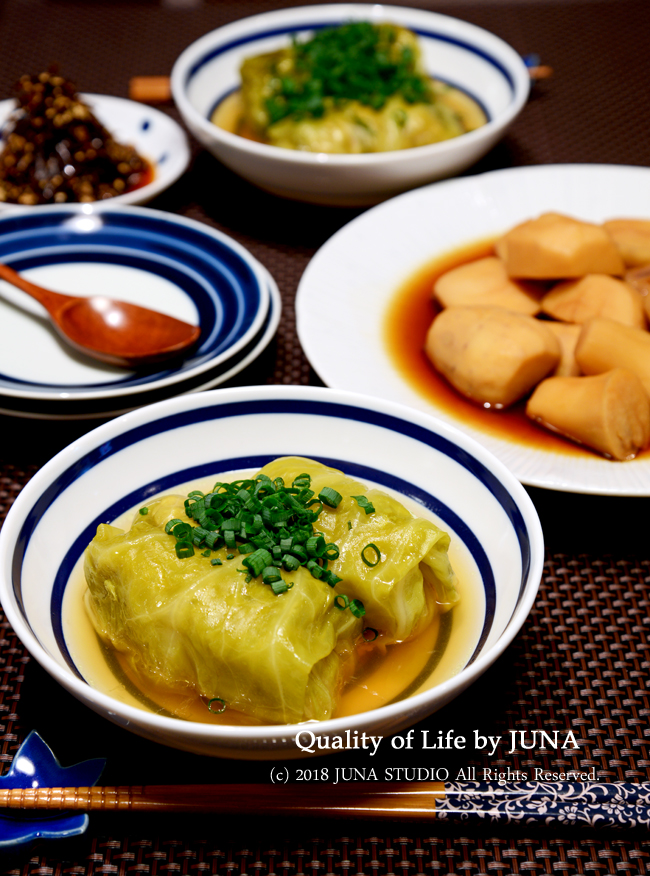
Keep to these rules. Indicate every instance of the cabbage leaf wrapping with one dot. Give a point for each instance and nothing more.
(414, 577)
(351, 126)
(186, 624)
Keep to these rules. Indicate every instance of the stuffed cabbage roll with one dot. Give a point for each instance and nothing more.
(184, 623)
(351, 89)
(205, 620)
(413, 577)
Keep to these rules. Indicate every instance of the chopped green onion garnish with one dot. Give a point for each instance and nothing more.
(184, 549)
(370, 634)
(258, 561)
(269, 522)
(356, 607)
(271, 574)
(198, 535)
(299, 551)
(371, 547)
(144, 510)
(290, 562)
(357, 61)
(341, 601)
(212, 540)
(221, 702)
(315, 568)
(365, 504)
(330, 497)
(279, 587)
(330, 578)
(315, 546)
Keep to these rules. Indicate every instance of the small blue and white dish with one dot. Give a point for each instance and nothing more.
(155, 259)
(154, 135)
(456, 52)
(496, 537)
(35, 766)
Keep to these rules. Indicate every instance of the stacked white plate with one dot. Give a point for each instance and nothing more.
(155, 259)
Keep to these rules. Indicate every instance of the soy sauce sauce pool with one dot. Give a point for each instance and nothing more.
(407, 322)
(389, 673)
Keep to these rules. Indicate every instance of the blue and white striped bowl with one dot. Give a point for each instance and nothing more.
(123, 463)
(459, 53)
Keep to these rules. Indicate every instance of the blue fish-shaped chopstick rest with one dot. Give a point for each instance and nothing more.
(35, 766)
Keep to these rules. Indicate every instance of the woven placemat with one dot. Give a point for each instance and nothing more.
(581, 660)
(390, 854)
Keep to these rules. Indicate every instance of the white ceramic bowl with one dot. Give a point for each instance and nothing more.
(124, 462)
(454, 51)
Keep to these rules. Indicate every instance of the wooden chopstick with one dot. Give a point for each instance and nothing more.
(349, 800)
(150, 89)
(605, 805)
(541, 71)
(157, 89)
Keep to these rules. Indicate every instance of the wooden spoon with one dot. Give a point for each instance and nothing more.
(113, 331)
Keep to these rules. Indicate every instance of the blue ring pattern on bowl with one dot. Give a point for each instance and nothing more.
(275, 406)
(309, 26)
(220, 282)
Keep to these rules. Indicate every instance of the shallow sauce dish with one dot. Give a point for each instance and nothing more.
(154, 135)
(123, 463)
(352, 283)
(35, 766)
(455, 52)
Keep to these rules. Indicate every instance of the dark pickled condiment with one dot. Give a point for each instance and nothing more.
(55, 151)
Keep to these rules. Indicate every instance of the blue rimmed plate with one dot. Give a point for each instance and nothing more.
(155, 259)
(498, 548)
(154, 135)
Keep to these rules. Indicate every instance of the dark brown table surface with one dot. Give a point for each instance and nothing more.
(581, 660)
